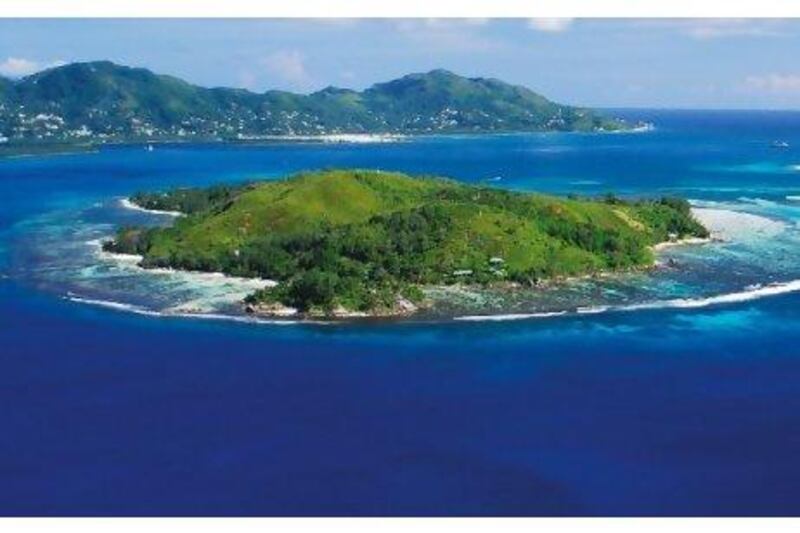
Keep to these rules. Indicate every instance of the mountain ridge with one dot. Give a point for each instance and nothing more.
(104, 101)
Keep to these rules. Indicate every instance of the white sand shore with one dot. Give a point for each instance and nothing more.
(213, 277)
(201, 292)
(729, 225)
(127, 204)
(643, 127)
(330, 138)
(680, 242)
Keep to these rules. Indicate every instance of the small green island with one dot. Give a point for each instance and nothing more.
(344, 243)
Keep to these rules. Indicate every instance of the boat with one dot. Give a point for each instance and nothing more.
(780, 144)
(149, 148)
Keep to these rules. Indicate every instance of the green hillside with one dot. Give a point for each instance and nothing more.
(364, 240)
(441, 99)
(102, 101)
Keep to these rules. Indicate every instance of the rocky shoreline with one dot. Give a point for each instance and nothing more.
(405, 308)
(402, 308)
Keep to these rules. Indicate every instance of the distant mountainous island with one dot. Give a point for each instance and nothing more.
(369, 243)
(104, 102)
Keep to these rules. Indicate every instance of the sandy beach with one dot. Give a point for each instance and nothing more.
(680, 242)
(356, 138)
(730, 225)
(127, 204)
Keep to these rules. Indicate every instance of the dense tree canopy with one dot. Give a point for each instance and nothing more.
(361, 239)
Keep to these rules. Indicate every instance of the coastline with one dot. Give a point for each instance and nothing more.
(332, 138)
(731, 225)
(134, 260)
(209, 292)
(688, 241)
(402, 307)
(127, 203)
(747, 294)
(724, 225)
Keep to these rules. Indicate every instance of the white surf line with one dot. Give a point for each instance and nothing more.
(133, 260)
(139, 310)
(198, 275)
(337, 138)
(750, 293)
(511, 316)
(753, 292)
(110, 304)
(733, 225)
(592, 310)
(128, 204)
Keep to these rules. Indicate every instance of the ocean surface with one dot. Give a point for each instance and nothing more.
(676, 392)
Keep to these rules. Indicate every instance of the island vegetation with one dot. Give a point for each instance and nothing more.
(101, 102)
(359, 241)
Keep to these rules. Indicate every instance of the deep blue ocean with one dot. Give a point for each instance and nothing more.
(676, 393)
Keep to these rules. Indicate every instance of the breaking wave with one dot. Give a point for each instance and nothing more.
(511, 316)
(139, 310)
(751, 292)
(127, 204)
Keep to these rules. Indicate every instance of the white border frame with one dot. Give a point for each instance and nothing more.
(404, 8)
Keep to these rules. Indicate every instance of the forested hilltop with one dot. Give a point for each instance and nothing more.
(349, 241)
(104, 102)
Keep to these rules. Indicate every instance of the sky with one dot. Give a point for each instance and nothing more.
(683, 63)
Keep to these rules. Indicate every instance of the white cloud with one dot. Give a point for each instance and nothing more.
(717, 28)
(447, 34)
(774, 83)
(342, 22)
(289, 66)
(552, 25)
(454, 22)
(708, 28)
(18, 67)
